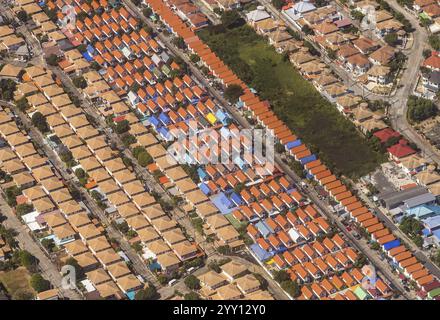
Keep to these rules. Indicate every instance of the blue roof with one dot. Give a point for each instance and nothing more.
(392, 244)
(432, 222)
(202, 174)
(261, 254)
(225, 132)
(264, 229)
(223, 203)
(165, 133)
(426, 232)
(293, 144)
(131, 295)
(419, 211)
(164, 118)
(239, 162)
(308, 159)
(90, 49)
(220, 115)
(154, 122)
(436, 234)
(87, 56)
(205, 189)
(237, 199)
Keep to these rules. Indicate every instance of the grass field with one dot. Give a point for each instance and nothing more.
(314, 119)
(16, 281)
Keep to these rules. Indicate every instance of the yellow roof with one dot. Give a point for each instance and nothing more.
(211, 118)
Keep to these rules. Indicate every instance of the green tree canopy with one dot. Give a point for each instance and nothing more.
(233, 92)
(38, 283)
(149, 293)
(231, 19)
(39, 121)
(420, 109)
(192, 282)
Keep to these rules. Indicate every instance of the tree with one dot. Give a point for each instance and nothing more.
(231, 19)
(147, 12)
(307, 30)
(11, 194)
(291, 287)
(213, 265)
(192, 282)
(39, 121)
(52, 60)
(128, 139)
(96, 195)
(66, 156)
(80, 82)
(149, 293)
(122, 126)
(7, 89)
(233, 92)
(179, 43)
(264, 284)
(27, 260)
(82, 16)
(48, 244)
(420, 109)
(23, 209)
(38, 283)
(192, 296)
(22, 16)
(280, 276)
(436, 257)
(434, 41)
(357, 15)
(145, 159)
(194, 58)
(278, 4)
(163, 279)
(224, 249)
(82, 48)
(392, 39)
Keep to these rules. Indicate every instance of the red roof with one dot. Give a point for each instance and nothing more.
(385, 134)
(432, 62)
(401, 149)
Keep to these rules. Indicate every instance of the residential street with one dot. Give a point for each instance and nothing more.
(407, 83)
(392, 226)
(310, 192)
(26, 242)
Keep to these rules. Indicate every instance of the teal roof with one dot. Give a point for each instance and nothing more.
(420, 211)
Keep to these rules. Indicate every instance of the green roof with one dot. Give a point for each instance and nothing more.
(360, 293)
(434, 293)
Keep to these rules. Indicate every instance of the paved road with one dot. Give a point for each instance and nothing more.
(390, 225)
(26, 242)
(407, 83)
(138, 264)
(398, 109)
(372, 256)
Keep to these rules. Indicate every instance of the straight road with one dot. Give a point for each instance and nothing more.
(36, 136)
(372, 256)
(392, 226)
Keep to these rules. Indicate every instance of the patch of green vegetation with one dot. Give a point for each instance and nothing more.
(295, 101)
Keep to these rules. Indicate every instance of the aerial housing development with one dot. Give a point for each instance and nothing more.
(131, 168)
